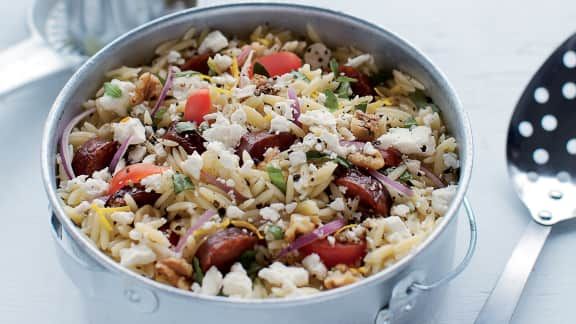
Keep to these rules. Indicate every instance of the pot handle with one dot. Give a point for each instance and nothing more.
(77, 266)
(406, 290)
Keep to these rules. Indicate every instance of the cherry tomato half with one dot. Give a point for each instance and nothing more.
(132, 175)
(339, 253)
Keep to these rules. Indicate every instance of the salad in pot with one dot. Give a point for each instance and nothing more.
(272, 166)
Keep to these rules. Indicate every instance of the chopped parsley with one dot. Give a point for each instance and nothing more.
(410, 122)
(344, 78)
(380, 77)
(186, 74)
(421, 100)
(331, 101)
(317, 156)
(181, 183)
(182, 127)
(406, 176)
(300, 75)
(260, 69)
(361, 106)
(112, 90)
(162, 80)
(247, 258)
(276, 231)
(334, 66)
(277, 178)
(198, 274)
(160, 113)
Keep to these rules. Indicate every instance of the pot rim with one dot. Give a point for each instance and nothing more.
(50, 135)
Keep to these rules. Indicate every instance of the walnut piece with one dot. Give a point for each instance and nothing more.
(263, 86)
(365, 127)
(374, 162)
(175, 271)
(341, 276)
(148, 87)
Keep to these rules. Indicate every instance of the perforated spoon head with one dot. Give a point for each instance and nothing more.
(541, 145)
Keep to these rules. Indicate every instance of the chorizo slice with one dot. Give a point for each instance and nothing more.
(138, 193)
(198, 63)
(392, 157)
(190, 140)
(224, 247)
(362, 86)
(256, 144)
(369, 190)
(95, 154)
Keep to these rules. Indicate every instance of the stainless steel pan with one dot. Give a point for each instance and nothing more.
(407, 292)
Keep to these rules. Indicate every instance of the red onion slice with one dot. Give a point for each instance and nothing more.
(120, 153)
(295, 106)
(203, 219)
(319, 233)
(434, 178)
(244, 54)
(66, 160)
(359, 145)
(397, 186)
(167, 85)
(212, 180)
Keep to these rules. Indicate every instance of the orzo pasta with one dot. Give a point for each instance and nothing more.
(272, 166)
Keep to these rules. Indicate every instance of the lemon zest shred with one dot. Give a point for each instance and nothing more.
(264, 42)
(201, 232)
(222, 91)
(234, 68)
(205, 77)
(125, 119)
(268, 117)
(101, 217)
(248, 226)
(344, 228)
(378, 92)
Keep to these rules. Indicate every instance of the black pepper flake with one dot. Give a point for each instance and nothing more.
(297, 177)
(221, 211)
(423, 148)
(309, 50)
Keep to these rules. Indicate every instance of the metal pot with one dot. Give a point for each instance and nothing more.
(407, 292)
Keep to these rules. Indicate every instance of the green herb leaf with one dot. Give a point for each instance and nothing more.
(277, 178)
(300, 75)
(343, 162)
(410, 122)
(112, 90)
(247, 258)
(361, 106)
(182, 127)
(198, 274)
(276, 231)
(345, 79)
(434, 107)
(317, 156)
(331, 101)
(380, 77)
(419, 99)
(181, 183)
(162, 80)
(344, 90)
(160, 113)
(186, 74)
(406, 176)
(334, 66)
(260, 69)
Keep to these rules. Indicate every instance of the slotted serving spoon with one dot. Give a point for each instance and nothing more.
(541, 153)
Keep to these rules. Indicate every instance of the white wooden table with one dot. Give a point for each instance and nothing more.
(488, 50)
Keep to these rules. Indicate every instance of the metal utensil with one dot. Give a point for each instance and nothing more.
(65, 32)
(541, 151)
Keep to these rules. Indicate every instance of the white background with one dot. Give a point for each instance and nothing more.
(488, 49)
